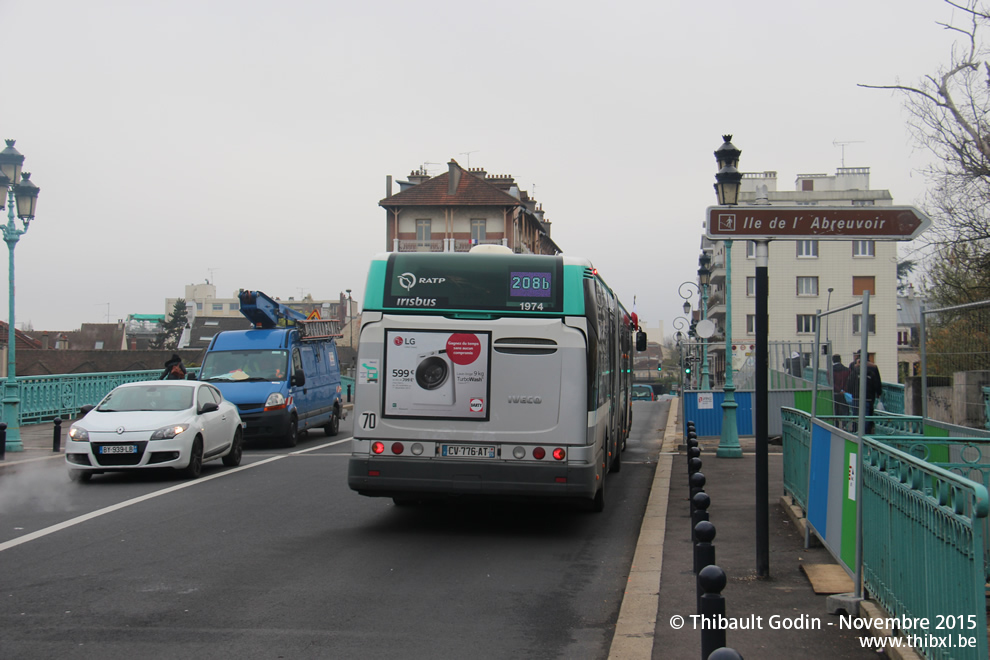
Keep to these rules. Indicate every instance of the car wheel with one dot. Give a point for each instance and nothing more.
(195, 467)
(333, 426)
(233, 457)
(291, 438)
(80, 476)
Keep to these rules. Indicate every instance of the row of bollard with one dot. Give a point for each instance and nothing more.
(56, 437)
(711, 579)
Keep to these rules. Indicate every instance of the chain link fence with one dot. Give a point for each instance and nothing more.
(955, 357)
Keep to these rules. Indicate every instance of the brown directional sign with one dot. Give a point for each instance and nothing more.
(882, 223)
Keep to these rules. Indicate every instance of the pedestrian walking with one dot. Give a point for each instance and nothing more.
(840, 376)
(874, 387)
(174, 369)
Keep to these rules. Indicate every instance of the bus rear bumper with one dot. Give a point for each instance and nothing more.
(396, 477)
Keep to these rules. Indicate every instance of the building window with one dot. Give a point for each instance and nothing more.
(863, 248)
(903, 337)
(751, 324)
(217, 307)
(479, 227)
(807, 249)
(751, 249)
(863, 202)
(99, 345)
(750, 286)
(807, 286)
(807, 185)
(858, 322)
(424, 234)
(234, 307)
(864, 283)
(805, 323)
(199, 307)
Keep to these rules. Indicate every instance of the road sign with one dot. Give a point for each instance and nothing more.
(840, 223)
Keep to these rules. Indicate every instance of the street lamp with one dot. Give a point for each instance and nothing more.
(727, 181)
(685, 291)
(24, 192)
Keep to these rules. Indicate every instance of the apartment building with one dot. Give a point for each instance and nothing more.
(810, 275)
(460, 208)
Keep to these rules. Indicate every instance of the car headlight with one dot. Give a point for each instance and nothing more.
(169, 432)
(275, 401)
(79, 434)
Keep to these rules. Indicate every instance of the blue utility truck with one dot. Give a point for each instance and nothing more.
(283, 374)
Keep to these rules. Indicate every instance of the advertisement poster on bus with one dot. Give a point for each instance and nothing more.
(437, 374)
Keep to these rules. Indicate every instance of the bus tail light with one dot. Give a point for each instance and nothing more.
(558, 453)
(377, 447)
(397, 448)
(539, 452)
(560, 480)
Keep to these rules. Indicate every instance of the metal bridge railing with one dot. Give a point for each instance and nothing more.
(924, 546)
(43, 398)
(925, 520)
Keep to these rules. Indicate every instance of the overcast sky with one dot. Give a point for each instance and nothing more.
(248, 142)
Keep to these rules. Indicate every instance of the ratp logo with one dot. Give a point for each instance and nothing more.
(407, 281)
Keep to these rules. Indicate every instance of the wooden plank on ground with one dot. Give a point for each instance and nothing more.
(828, 578)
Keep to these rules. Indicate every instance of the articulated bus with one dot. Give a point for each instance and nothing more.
(490, 373)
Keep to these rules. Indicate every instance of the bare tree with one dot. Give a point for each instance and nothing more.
(948, 113)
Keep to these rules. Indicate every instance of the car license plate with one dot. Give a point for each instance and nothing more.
(118, 449)
(467, 451)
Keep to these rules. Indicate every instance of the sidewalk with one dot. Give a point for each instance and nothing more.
(786, 597)
(38, 442)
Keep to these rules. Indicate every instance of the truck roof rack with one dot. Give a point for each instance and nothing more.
(319, 329)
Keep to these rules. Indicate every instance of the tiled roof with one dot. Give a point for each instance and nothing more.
(471, 191)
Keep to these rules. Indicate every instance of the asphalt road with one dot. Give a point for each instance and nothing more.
(279, 559)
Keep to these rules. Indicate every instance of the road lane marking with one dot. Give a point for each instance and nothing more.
(120, 505)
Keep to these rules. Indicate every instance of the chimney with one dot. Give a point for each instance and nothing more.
(44, 340)
(455, 177)
(479, 172)
(388, 185)
(133, 343)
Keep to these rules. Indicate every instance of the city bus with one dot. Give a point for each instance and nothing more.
(490, 373)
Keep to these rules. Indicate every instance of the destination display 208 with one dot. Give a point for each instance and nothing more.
(892, 223)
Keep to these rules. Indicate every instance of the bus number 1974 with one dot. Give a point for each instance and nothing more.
(531, 307)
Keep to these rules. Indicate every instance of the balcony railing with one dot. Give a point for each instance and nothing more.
(442, 244)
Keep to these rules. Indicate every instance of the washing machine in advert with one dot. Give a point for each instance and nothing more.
(438, 374)
(434, 380)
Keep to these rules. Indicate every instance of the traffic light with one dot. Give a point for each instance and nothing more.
(659, 367)
(687, 369)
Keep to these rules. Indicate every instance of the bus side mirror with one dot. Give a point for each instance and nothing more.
(640, 341)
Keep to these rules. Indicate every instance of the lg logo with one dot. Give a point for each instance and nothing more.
(399, 341)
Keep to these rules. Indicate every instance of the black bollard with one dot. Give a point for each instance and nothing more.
(712, 610)
(704, 551)
(3, 440)
(693, 453)
(725, 653)
(57, 435)
(696, 484)
(699, 510)
(704, 555)
(694, 465)
(348, 394)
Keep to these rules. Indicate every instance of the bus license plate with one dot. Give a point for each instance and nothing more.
(119, 449)
(467, 451)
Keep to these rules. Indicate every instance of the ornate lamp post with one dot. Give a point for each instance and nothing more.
(727, 182)
(685, 291)
(20, 189)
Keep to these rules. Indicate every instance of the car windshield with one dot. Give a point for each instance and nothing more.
(147, 397)
(244, 365)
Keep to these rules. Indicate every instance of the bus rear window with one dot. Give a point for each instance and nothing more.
(483, 282)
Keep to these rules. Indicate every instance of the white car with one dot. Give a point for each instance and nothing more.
(155, 424)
